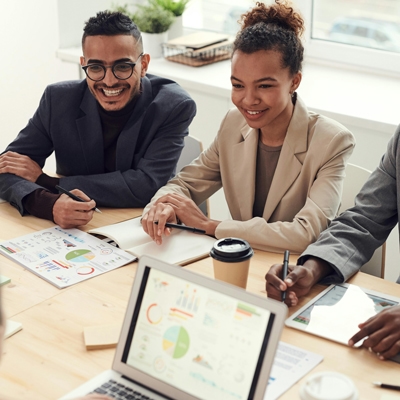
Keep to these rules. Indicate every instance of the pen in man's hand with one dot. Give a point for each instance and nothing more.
(183, 227)
(74, 197)
(386, 386)
(285, 270)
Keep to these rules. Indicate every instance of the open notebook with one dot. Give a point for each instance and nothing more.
(181, 248)
(186, 336)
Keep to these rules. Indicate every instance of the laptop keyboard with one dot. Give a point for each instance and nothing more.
(119, 391)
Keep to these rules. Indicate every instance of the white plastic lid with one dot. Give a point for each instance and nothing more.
(328, 386)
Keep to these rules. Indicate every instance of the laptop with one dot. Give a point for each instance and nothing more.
(189, 337)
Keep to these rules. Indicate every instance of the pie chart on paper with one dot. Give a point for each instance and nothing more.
(80, 256)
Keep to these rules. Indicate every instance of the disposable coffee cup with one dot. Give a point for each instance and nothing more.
(231, 259)
(328, 385)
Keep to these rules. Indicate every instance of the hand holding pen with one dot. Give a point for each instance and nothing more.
(73, 196)
(70, 213)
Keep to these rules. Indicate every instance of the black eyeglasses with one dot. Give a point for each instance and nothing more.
(121, 70)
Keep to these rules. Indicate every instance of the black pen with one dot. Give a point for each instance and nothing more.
(77, 198)
(285, 270)
(386, 386)
(183, 227)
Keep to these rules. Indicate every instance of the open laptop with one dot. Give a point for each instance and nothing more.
(186, 336)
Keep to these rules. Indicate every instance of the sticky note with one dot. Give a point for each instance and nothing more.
(4, 280)
(12, 327)
(102, 336)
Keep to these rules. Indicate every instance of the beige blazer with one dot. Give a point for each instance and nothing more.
(305, 192)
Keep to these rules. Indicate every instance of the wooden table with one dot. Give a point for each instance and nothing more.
(48, 358)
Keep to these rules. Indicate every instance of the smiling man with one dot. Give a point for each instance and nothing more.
(117, 135)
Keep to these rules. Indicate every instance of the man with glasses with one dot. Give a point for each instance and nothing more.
(117, 135)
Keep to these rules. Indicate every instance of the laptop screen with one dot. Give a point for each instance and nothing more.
(201, 341)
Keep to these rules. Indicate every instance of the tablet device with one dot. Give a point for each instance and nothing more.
(337, 311)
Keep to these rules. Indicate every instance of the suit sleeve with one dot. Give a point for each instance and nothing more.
(198, 180)
(132, 187)
(318, 211)
(352, 238)
(135, 187)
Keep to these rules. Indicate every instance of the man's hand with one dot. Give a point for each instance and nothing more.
(299, 281)
(18, 164)
(382, 333)
(69, 213)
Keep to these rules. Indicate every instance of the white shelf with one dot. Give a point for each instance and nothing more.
(357, 98)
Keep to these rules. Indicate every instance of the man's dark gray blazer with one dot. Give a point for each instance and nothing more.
(68, 123)
(352, 238)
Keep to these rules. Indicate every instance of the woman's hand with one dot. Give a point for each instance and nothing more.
(160, 213)
(171, 208)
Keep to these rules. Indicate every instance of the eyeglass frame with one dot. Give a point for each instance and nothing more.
(104, 67)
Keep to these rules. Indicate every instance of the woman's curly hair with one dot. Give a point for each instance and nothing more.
(276, 27)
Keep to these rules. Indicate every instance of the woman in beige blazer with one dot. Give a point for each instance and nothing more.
(281, 166)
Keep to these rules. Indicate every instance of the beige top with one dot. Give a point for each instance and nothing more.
(305, 190)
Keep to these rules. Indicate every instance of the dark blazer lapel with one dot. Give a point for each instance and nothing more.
(91, 134)
(129, 135)
(244, 168)
(289, 167)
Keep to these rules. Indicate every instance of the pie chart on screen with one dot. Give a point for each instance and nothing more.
(80, 256)
(176, 341)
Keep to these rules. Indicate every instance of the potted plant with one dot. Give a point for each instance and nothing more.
(153, 21)
(177, 7)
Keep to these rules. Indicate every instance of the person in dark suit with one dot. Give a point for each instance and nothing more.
(117, 135)
(349, 243)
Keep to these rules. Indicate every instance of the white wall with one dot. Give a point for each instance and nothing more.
(30, 36)
(29, 39)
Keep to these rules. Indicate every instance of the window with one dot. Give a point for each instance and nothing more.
(216, 15)
(360, 33)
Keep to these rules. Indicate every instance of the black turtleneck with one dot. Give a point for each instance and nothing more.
(112, 123)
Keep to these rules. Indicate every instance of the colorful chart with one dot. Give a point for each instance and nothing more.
(154, 313)
(188, 299)
(86, 270)
(244, 311)
(199, 360)
(159, 364)
(80, 256)
(176, 341)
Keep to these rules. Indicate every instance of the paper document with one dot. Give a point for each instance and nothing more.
(64, 257)
(291, 363)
